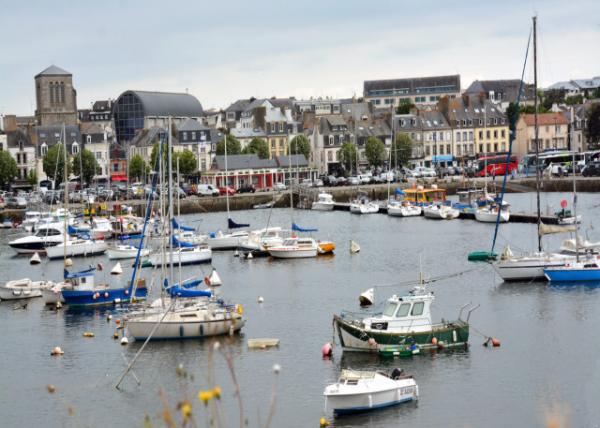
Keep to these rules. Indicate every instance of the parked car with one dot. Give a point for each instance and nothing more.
(424, 171)
(207, 190)
(228, 190)
(178, 192)
(2, 202)
(591, 169)
(279, 187)
(246, 188)
(341, 181)
(365, 178)
(353, 181)
(330, 180)
(307, 182)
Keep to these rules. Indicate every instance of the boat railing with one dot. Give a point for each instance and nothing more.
(470, 310)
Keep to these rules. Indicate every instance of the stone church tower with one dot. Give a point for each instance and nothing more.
(56, 99)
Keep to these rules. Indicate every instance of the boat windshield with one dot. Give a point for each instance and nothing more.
(403, 311)
(390, 308)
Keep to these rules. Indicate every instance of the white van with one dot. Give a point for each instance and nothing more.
(365, 178)
(206, 190)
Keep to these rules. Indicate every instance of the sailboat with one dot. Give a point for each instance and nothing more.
(229, 240)
(529, 266)
(185, 311)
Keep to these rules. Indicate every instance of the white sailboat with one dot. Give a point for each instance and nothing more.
(489, 213)
(295, 248)
(403, 209)
(23, 288)
(440, 212)
(77, 248)
(324, 202)
(259, 241)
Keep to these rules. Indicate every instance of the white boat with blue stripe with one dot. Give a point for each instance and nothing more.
(361, 391)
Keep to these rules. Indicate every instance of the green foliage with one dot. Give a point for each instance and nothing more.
(404, 106)
(154, 156)
(53, 164)
(187, 162)
(401, 150)
(300, 145)
(593, 127)
(8, 169)
(88, 164)
(257, 146)
(347, 156)
(528, 109)
(233, 146)
(512, 113)
(573, 100)
(553, 96)
(595, 94)
(138, 167)
(375, 151)
(32, 177)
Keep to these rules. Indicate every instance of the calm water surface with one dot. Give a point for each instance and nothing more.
(548, 359)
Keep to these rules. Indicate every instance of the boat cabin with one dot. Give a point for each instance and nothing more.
(422, 196)
(404, 313)
(80, 281)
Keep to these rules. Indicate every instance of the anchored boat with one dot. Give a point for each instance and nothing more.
(360, 391)
(404, 320)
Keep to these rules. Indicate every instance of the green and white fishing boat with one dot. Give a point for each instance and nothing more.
(404, 323)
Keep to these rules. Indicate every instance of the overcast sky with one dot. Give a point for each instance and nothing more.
(220, 51)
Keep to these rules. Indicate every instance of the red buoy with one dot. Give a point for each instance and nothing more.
(434, 340)
(327, 350)
(495, 342)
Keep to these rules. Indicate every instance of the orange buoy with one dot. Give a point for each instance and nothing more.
(118, 321)
(495, 342)
(434, 340)
(327, 350)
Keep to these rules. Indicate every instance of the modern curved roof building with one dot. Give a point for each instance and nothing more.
(135, 110)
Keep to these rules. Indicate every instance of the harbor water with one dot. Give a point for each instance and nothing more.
(547, 365)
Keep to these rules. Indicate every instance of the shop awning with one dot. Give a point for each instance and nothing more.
(442, 158)
(119, 177)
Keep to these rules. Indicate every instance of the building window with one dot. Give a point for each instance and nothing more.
(470, 135)
(503, 133)
(193, 135)
(62, 93)
(481, 148)
(20, 145)
(487, 134)
(458, 136)
(495, 133)
(184, 136)
(25, 159)
(18, 158)
(74, 148)
(480, 122)
(43, 149)
(481, 135)
(88, 139)
(448, 149)
(51, 85)
(489, 147)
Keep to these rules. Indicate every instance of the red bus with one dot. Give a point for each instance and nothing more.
(496, 165)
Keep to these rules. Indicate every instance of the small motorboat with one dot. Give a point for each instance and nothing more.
(23, 289)
(264, 206)
(325, 247)
(31, 220)
(363, 206)
(120, 252)
(367, 297)
(566, 217)
(295, 248)
(440, 212)
(190, 237)
(403, 209)
(6, 224)
(52, 295)
(259, 241)
(360, 391)
(44, 237)
(324, 202)
(489, 213)
(77, 248)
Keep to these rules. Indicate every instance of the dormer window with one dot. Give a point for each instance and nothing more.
(88, 139)
(43, 149)
(74, 148)
(20, 145)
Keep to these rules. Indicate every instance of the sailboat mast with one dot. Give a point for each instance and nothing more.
(66, 190)
(574, 189)
(392, 145)
(536, 134)
(226, 182)
(170, 184)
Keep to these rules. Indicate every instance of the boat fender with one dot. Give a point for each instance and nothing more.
(441, 345)
(127, 292)
(201, 330)
(327, 350)
(88, 334)
(239, 309)
(106, 294)
(108, 317)
(323, 422)
(124, 341)
(372, 342)
(207, 280)
(116, 335)
(231, 330)
(94, 296)
(260, 299)
(434, 340)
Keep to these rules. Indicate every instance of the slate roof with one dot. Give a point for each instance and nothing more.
(407, 122)
(166, 103)
(413, 85)
(53, 70)
(236, 162)
(13, 138)
(297, 160)
(509, 89)
(569, 86)
(148, 137)
(191, 125)
(248, 133)
(91, 128)
(239, 105)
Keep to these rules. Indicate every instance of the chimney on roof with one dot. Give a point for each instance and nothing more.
(443, 105)
(10, 123)
(466, 100)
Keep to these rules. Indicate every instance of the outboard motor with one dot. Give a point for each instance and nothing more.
(397, 373)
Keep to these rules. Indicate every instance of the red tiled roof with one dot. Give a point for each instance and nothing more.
(545, 119)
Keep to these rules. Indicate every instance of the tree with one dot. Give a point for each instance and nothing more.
(154, 154)
(54, 164)
(86, 160)
(401, 150)
(347, 156)
(257, 146)
(300, 145)
(574, 100)
(233, 146)
(8, 169)
(404, 106)
(187, 162)
(593, 127)
(375, 151)
(552, 96)
(512, 113)
(137, 167)
(32, 177)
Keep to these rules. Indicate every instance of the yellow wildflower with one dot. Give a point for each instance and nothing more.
(217, 392)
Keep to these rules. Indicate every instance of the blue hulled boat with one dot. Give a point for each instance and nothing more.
(574, 272)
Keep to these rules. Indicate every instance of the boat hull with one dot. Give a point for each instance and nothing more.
(525, 269)
(572, 275)
(99, 297)
(344, 404)
(92, 248)
(30, 247)
(280, 253)
(322, 206)
(170, 329)
(117, 254)
(187, 258)
(401, 211)
(354, 338)
(226, 242)
(485, 216)
(12, 294)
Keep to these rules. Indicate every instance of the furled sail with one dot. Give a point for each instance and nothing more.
(180, 227)
(297, 228)
(233, 225)
(547, 229)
